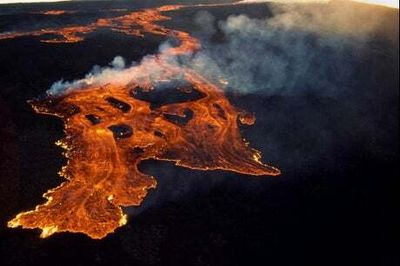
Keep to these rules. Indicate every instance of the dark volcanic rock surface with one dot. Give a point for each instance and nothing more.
(331, 206)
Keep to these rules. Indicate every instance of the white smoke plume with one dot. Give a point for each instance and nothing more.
(325, 50)
(117, 73)
(299, 46)
(295, 49)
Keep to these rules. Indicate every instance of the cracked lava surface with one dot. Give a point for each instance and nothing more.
(111, 128)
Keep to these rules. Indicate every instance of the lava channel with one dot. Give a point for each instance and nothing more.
(110, 129)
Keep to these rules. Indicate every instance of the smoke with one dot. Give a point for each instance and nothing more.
(326, 62)
(301, 47)
(117, 73)
(118, 62)
(325, 76)
(321, 79)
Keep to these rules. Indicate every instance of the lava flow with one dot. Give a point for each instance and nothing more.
(111, 128)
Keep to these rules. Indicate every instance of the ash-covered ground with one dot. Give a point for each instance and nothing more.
(322, 81)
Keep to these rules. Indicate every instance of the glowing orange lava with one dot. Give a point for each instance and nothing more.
(56, 12)
(110, 129)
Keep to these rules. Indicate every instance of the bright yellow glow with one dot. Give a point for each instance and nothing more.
(48, 231)
(123, 220)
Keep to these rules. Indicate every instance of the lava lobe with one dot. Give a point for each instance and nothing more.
(110, 129)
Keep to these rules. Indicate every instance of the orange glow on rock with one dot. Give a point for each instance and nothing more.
(111, 129)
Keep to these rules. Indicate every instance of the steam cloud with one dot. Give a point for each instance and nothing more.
(320, 50)
(116, 73)
(301, 47)
(319, 58)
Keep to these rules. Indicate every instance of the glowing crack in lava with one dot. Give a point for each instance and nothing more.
(110, 128)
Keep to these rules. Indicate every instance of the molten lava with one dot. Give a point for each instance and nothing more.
(60, 12)
(110, 129)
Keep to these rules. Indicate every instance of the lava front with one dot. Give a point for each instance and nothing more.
(111, 128)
